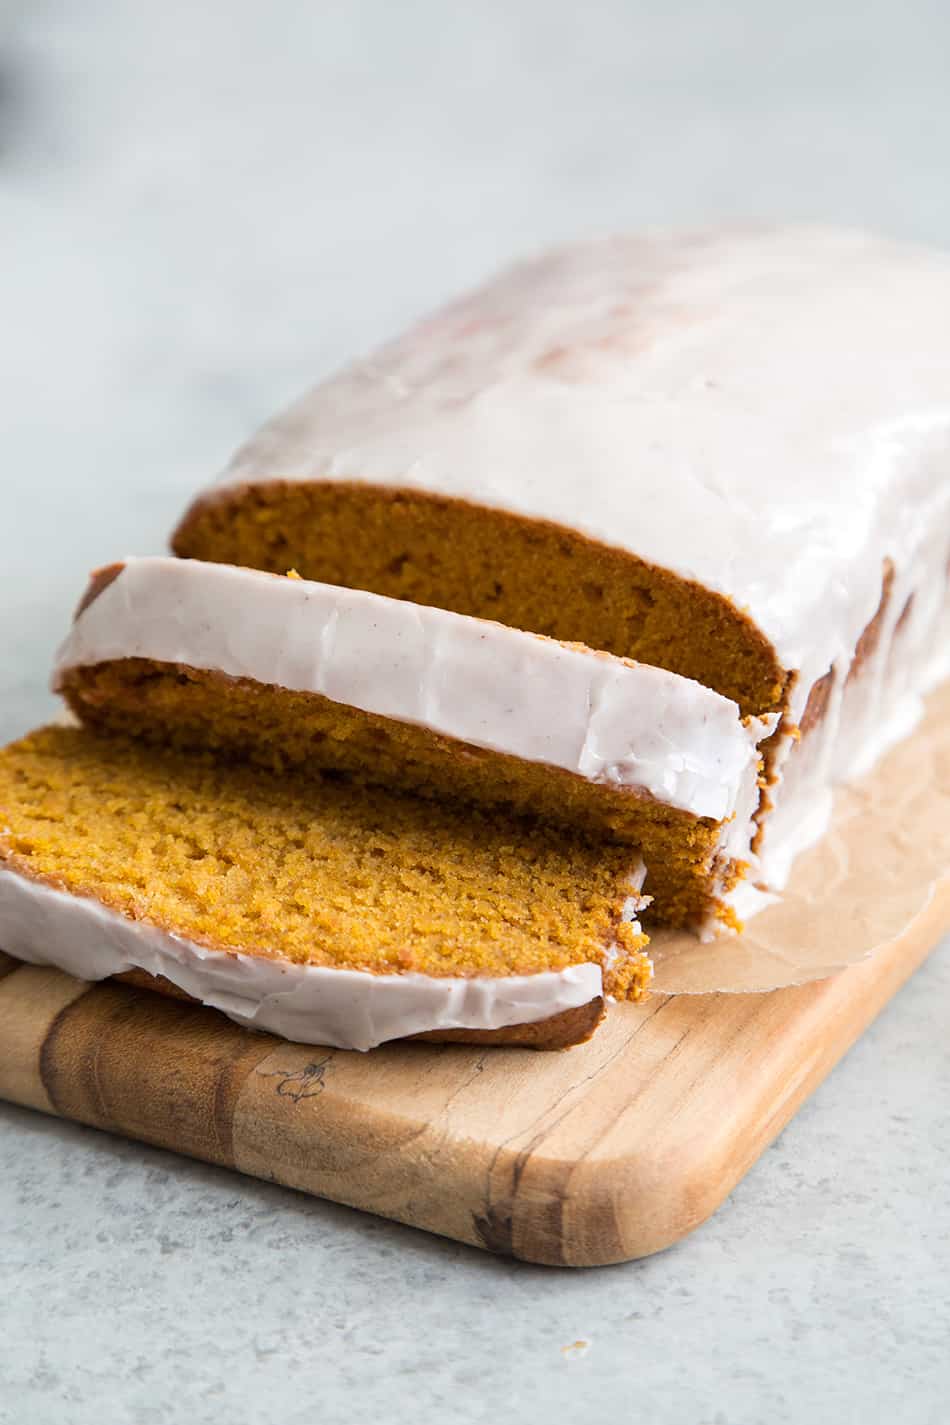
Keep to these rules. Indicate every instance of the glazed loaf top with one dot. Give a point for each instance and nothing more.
(765, 411)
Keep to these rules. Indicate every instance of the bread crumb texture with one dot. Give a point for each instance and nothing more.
(292, 733)
(531, 574)
(318, 870)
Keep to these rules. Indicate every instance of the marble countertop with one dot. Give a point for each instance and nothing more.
(202, 208)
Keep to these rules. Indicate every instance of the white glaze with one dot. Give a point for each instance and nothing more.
(494, 687)
(310, 1004)
(764, 410)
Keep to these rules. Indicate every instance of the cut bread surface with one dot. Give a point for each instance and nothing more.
(528, 573)
(300, 677)
(257, 871)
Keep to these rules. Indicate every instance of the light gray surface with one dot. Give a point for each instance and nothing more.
(203, 206)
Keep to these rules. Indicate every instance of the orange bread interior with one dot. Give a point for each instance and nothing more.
(318, 871)
(530, 574)
(291, 732)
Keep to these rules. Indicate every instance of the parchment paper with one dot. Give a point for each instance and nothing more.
(874, 871)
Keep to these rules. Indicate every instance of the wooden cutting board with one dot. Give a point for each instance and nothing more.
(609, 1151)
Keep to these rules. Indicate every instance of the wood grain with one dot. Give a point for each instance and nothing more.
(597, 1154)
(112, 1061)
(605, 1152)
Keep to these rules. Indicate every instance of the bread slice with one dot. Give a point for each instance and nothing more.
(319, 909)
(300, 677)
